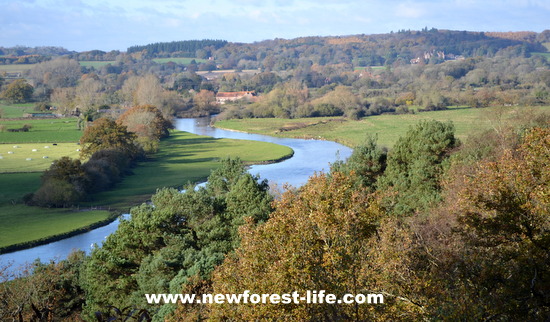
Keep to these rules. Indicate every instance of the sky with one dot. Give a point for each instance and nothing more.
(83, 25)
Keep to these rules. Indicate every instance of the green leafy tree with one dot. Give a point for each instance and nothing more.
(19, 91)
(106, 134)
(63, 184)
(367, 162)
(416, 164)
(183, 236)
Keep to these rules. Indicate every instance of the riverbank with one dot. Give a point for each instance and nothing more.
(182, 158)
(387, 127)
(34, 226)
(23, 226)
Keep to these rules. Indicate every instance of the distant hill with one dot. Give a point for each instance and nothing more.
(359, 50)
(186, 48)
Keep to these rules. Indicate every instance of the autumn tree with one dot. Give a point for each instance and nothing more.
(337, 102)
(57, 73)
(18, 91)
(502, 211)
(88, 95)
(205, 102)
(149, 91)
(43, 291)
(316, 239)
(107, 134)
(64, 100)
(146, 121)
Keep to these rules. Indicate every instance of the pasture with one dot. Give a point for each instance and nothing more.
(42, 131)
(15, 68)
(15, 110)
(13, 186)
(33, 157)
(22, 224)
(184, 158)
(387, 127)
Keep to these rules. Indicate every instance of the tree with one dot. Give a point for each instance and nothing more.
(502, 211)
(146, 121)
(106, 134)
(367, 162)
(43, 291)
(88, 95)
(415, 165)
(149, 91)
(63, 184)
(179, 237)
(57, 73)
(19, 91)
(205, 102)
(316, 239)
(64, 100)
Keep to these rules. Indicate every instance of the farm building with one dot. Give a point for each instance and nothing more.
(223, 97)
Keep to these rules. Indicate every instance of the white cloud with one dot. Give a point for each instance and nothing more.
(409, 10)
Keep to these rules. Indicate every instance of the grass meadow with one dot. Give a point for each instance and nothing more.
(32, 157)
(184, 158)
(22, 224)
(42, 131)
(15, 110)
(15, 68)
(387, 127)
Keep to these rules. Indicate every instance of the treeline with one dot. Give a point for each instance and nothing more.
(186, 48)
(109, 148)
(443, 229)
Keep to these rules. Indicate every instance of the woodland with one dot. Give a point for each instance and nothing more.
(445, 229)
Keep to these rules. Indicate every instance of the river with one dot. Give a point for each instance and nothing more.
(310, 156)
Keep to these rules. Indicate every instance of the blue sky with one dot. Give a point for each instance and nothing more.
(117, 24)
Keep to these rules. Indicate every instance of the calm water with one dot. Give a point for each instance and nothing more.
(310, 156)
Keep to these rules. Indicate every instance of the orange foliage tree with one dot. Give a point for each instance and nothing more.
(146, 121)
(319, 238)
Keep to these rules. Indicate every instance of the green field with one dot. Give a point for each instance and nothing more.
(16, 110)
(13, 186)
(43, 131)
(31, 157)
(23, 224)
(15, 68)
(179, 60)
(388, 127)
(184, 158)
